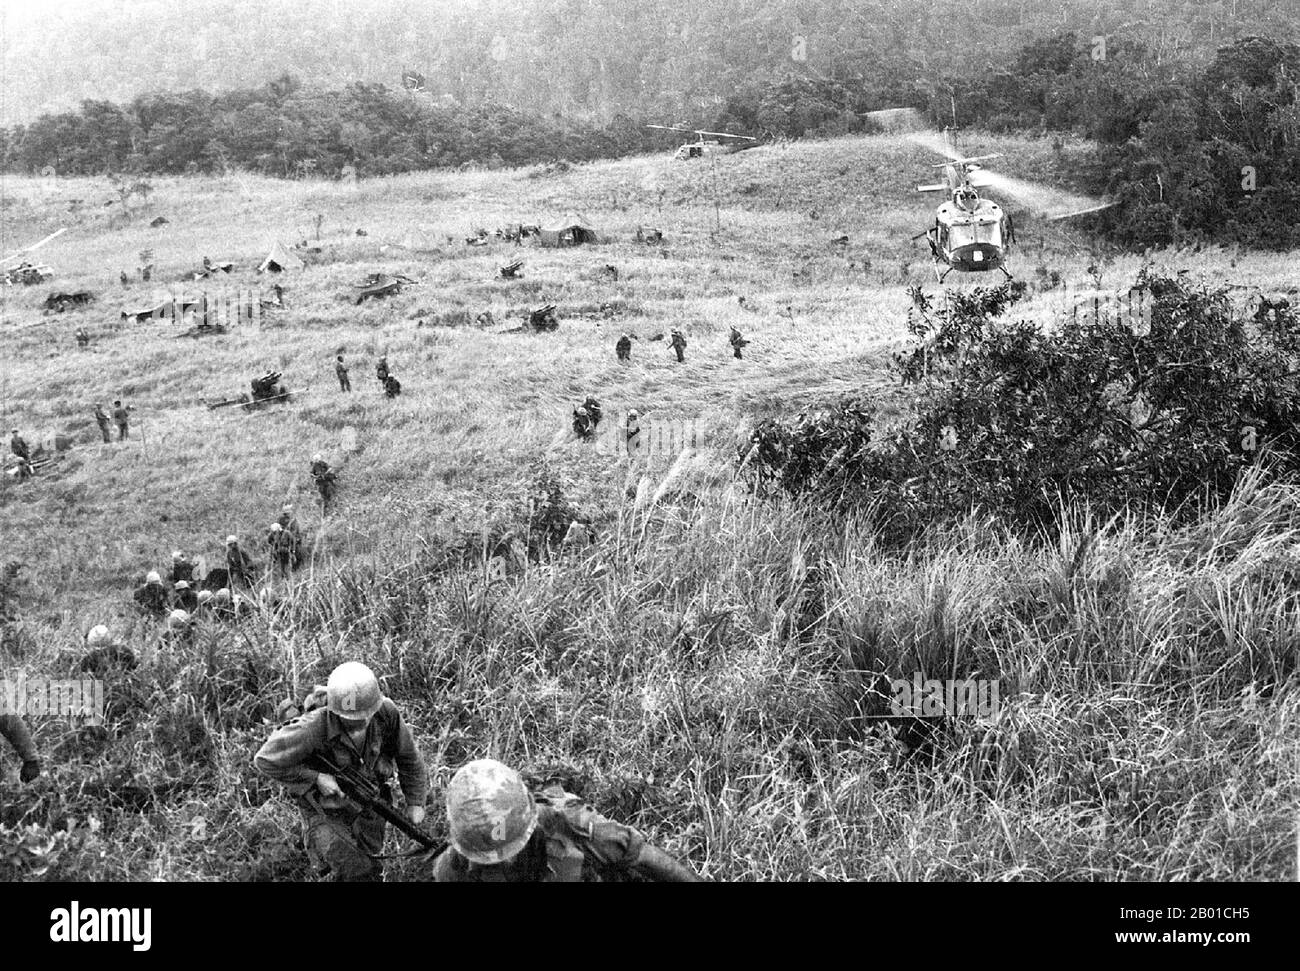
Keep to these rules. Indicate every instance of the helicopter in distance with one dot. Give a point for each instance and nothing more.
(700, 147)
(972, 233)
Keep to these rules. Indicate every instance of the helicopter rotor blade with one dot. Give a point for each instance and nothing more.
(1083, 212)
(934, 142)
(723, 134)
(966, 161)
(1045, 201)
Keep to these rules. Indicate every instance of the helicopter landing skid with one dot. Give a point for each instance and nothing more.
(940, 276)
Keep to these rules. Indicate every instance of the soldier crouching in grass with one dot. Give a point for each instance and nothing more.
(351, 726)
(502, 833)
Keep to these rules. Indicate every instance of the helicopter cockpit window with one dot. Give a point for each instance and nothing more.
(961, 236)
(988, 233)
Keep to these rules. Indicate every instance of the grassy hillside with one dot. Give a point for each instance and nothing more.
(692, 673)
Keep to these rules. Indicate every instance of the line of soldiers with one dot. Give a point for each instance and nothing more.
(500, 831)
(677, 342)
(286, 544)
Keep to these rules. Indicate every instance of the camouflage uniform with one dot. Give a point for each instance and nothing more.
(571, 844)
(343, 839)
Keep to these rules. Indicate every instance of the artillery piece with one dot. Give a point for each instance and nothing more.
(266, 388)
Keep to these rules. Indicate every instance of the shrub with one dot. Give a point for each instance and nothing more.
(1016, 422)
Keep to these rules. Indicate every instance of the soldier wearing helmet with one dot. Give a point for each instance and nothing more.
(182, 568)
(239, 565)
(281, 547)
(105, 654)
(293, 530)
(153, 597)
(180, 628)
(503, 833)
(354, 726)
(184, 597)
(326, 479)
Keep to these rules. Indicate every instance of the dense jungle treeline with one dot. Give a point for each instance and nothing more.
(1193, 153)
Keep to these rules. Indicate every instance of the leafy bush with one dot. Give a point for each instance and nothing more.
(1017, 422)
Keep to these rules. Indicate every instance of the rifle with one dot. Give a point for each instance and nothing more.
(368, 794)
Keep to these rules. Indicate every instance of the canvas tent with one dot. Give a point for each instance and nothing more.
(279, 259)
(160, 306)
(572, 230)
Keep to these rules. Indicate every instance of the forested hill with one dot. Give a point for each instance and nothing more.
(588, 59)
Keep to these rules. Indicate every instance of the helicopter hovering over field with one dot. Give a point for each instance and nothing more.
(971, 233)
(700, 147)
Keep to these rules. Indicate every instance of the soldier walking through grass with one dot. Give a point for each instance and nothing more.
(737, 342)
(102, 420)
(349, 724)
(624, 348)
(281, 550)
(678, 344)
(122, 417)
(293, 530)
(381, 372)
(326, 480)
(503, 833)
(239, 565)
(345, 384)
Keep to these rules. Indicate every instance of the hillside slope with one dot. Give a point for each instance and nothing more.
(705, 671)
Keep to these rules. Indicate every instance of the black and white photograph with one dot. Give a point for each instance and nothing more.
(839, 442)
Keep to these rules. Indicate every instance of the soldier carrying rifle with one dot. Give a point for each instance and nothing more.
(326, 480)
(501, 832)
(337, 759)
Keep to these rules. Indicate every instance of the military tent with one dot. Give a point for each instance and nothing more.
(572, 230)
(280, 258)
